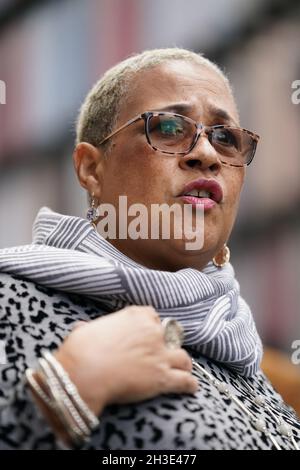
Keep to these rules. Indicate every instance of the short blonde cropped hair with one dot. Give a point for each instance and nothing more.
(100, 109)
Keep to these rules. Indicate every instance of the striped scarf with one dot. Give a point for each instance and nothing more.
(67, 254)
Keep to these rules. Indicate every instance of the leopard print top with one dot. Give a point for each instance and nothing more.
(33, 317)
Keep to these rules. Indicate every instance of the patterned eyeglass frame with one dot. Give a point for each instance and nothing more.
(200, 128)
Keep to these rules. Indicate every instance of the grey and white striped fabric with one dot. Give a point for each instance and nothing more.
(69, 255)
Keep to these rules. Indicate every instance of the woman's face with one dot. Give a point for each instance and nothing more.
(148, 177)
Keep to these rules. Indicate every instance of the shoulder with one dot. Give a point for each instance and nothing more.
(12, 286)
(18, 294)
(19, 297)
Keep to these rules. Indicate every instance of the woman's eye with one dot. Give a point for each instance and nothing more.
(224, 137)
(170, 128)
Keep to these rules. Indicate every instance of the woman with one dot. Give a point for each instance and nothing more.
(139, 135)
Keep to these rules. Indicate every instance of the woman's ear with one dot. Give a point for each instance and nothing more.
(89, 166)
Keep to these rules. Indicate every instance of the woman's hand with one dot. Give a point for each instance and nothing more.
(122, 358)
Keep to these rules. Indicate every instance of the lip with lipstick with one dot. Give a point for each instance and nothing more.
(202, 192)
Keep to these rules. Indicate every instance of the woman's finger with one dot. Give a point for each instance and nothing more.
(180, 381)
(179, 359)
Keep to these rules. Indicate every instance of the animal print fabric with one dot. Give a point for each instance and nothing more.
(33, 318)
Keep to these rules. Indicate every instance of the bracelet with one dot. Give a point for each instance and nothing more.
(38, 389)
(72, 391)
(71, 416)
(53, 404)
(60, 394)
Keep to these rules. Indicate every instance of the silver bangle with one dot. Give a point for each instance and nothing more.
(38, 390)
(72, 418)
(54, 405)
(71, 390)
(61, 395)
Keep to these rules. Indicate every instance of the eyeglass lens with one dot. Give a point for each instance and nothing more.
(175, 134)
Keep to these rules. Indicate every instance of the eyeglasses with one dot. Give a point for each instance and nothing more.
(175, 134)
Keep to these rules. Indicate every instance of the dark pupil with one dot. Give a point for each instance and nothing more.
(224, 137)
(170, 127)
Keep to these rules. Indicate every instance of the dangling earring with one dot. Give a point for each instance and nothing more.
(93, 212)
(222, 257)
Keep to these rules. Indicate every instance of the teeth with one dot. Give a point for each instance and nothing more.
(196, 193)
(203, 193)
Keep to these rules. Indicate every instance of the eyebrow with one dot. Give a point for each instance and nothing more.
(222, 115)
(182, 108)
(177, 108)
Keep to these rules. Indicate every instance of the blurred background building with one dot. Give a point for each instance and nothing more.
(51, 52)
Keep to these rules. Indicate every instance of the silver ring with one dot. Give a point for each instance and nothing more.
(173, 333)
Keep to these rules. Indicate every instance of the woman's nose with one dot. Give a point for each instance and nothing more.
(203, 156)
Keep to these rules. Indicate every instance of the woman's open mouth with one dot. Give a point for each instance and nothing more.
(202, 193)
